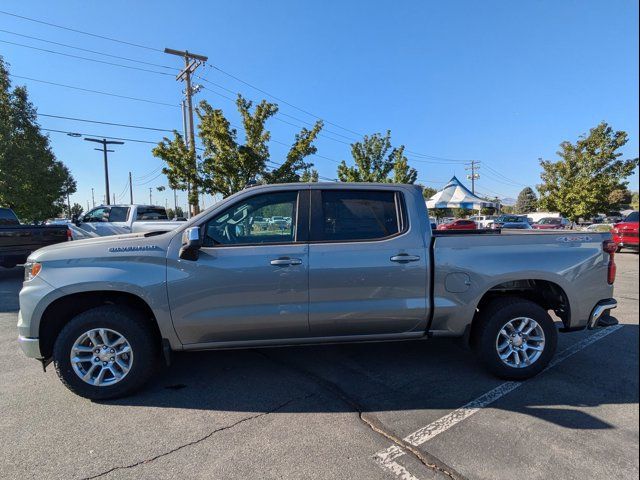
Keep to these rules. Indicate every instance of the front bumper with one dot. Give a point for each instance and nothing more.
(602, 308)
(30, 346)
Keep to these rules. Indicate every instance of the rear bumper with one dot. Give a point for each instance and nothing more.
(30, 346)
(601, 308)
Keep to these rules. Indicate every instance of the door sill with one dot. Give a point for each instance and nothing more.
(290, 342)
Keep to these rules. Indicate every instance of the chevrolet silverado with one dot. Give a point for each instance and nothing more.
(357, 262)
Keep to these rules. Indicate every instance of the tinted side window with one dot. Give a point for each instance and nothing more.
(7, 217)
(261, 219)
(632, 217)
(97, 215)
(358, 215)
(119, 214)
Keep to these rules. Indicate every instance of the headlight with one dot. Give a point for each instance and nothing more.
(31, 270)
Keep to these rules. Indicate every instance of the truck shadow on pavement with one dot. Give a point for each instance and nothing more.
(436, 376)
(10, 285)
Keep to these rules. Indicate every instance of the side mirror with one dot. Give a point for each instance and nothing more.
(76, 220)
(191, 243)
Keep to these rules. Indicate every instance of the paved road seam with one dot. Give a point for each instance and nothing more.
(387, 458)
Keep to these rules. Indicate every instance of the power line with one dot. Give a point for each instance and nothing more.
(304, 122)
(504, 176)
(105, 123)
(88, 50)
(96, 91)
(149, 181)
(94, 135)
(131, 44)
(148, 174)
(87, 59)
(430, 158)
(282, 100)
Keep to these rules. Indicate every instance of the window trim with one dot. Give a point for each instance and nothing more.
(316, 215)
(301, 200)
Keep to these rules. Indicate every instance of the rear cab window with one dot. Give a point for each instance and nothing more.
(356, 215)
(151, 213)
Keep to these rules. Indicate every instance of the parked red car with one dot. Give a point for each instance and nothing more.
(625, 233)
(551, 223)
(459, 224)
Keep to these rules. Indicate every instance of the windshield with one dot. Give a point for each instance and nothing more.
(550, 221)
(632, 217)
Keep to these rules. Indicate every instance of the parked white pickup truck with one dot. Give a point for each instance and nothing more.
(118, 219)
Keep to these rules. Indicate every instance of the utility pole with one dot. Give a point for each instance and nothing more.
(191, 62)
(104, 142)
(186, 139)
(93, 199)
(130, 190)
(150, 200)
(473, 166)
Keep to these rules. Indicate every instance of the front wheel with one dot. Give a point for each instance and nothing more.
(106, 352)
(515, 338)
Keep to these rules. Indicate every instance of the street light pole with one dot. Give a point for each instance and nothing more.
(104, 142)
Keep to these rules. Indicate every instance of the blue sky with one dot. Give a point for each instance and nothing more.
(501, 82)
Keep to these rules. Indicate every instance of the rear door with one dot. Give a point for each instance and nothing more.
(367, 264)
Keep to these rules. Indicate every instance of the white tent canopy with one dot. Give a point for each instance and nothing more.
(456, 195)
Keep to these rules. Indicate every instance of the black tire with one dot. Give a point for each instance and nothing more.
(124, 320)
(493, 318)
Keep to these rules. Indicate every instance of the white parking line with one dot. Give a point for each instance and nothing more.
(386, 458)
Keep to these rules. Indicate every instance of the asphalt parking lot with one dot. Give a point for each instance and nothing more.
(335, 411)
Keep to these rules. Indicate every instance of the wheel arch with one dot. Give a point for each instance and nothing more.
(59, 312)
(545, 293)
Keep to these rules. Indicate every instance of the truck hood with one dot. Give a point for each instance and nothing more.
(131, 243)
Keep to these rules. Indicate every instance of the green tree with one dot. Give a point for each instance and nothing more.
(619, 198)
(309, 175)
(178, 212)
(182, 168)
(461, 212)
(375, 160)
(428, 192)
(76, 210)
(527, 201)
(635, 201)
(32, 181)
(578, 185)
(229, 166)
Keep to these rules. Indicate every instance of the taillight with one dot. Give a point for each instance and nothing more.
(69, 235)
(610, 247)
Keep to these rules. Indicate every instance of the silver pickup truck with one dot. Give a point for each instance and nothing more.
(358, 262)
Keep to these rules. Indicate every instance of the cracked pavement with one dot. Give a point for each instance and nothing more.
(324, 411)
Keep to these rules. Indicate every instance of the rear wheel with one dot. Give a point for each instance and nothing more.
(515, 338)
(106, 352)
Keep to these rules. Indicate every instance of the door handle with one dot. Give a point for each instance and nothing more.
(404, 258)
(285, 261)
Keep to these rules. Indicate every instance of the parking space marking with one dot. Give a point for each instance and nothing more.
(387, 457)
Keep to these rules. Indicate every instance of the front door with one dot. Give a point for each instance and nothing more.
(250, 281)
(368, 266)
